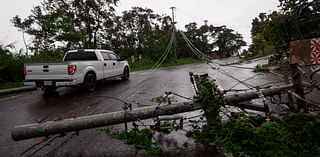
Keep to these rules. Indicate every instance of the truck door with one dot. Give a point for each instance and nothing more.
(117, 67)
(107, 65)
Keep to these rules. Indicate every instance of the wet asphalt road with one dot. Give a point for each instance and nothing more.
(35, 107)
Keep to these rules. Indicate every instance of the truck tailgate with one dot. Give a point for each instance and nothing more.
(47, 71)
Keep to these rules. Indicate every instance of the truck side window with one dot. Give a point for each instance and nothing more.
(81, 56)
(105, 56)
(113, 57)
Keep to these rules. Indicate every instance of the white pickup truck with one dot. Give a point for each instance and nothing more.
(79, 67)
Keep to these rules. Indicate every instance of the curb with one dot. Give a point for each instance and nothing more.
(16, 90)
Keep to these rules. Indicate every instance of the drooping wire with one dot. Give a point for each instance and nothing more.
(165, 53)
(203, 57)
(196, 51)
(222, 71)
(239, 83)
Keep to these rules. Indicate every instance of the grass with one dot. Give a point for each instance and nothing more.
(145, 64)
(9, 85)
(267, 51)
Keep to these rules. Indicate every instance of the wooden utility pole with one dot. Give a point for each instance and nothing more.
(100, 120)
(292, 105)
(298, 87)
(174, 35)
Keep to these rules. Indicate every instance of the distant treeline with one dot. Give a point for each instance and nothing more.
(59, 25)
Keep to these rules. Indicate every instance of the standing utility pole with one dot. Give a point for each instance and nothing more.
(174, 35)
(206, 22)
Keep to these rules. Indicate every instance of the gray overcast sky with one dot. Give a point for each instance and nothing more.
(235, 14)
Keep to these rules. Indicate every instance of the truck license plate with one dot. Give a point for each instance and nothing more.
(47, 83)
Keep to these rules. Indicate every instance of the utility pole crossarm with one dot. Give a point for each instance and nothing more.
(173, 8)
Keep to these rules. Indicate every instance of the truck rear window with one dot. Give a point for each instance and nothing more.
(81, 56)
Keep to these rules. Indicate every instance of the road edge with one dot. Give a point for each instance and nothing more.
(17, 90)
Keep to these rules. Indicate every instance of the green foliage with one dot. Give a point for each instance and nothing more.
(260, 68)
(228, 43)
(142, 64)
(139, 33)
(292, 136)
(186, 144)
(60, 25)
(296, 20)
(208, 37)
(8, 85)
(295, 135)
(210, 97)
(259, 43)
(11, 66)
(267, 50)
(168, 126)
(141, 139)
(273, 60)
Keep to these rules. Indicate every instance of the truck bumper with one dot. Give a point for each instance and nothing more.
(55, 83)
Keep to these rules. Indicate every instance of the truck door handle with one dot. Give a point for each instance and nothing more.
(105, 64)
(114, 63)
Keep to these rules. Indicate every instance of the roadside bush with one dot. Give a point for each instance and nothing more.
(243, 135)
(140, 139)
(261, 68)
(292, 136)
(11, 67)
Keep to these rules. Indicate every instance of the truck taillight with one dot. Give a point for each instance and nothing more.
(24, 71)
(72, 69)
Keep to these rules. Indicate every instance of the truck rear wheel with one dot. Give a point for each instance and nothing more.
(126, 74)
(90, 82)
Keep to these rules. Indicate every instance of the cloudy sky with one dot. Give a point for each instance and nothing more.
(235, 14)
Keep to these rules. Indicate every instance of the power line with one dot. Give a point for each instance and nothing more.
(203, 57)
(165, 54)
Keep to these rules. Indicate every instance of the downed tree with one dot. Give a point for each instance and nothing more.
(75, 124)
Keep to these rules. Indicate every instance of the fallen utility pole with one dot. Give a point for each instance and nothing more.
(298, 87)
(241, 97)
(100, 120)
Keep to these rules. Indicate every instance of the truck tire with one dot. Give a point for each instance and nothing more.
(126, 73)
(90, 82)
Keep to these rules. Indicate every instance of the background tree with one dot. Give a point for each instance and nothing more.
(296, 20)
(57, 25)
(143, 32)
(208, 38)
(257, 33)
(227, 42)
